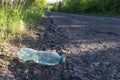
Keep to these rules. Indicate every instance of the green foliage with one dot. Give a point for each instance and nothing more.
(16, 18)
(31, 16)
(88, 6)
(42, 4)
(29, 3)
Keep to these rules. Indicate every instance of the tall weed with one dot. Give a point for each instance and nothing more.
(15, 18)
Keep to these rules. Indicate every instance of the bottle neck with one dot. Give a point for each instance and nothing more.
(62, 60)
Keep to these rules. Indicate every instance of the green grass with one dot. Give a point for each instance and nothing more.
(16, 21)
(112, 15)
(109, 15)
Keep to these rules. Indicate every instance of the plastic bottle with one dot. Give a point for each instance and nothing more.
(27, 54)
(41, 57)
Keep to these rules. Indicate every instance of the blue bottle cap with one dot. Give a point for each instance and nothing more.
(62, 59)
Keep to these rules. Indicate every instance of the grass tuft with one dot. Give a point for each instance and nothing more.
(16, 20)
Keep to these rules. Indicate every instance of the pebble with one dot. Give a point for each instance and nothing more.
(96, 64)
(106, 63)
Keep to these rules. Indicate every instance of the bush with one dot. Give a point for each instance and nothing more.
(88, 6)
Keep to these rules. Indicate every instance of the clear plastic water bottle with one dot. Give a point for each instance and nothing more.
(41, 57)
(27, 54)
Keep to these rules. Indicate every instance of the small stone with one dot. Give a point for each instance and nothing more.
(92, 53)
(118, 75)
(84, 78)
(26, 71)
(106, 63)
(76, 74)
(64, 51)
(96, 64)
(92, 67)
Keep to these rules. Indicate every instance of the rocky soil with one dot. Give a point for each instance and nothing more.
(91, 46)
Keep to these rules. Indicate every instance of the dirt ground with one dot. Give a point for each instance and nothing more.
(91, 46)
